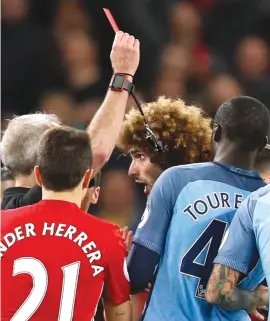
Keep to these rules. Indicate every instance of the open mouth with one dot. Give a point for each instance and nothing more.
(147, 188)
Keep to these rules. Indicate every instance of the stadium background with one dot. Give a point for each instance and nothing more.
(55, 57)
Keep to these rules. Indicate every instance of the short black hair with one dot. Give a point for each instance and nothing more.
(246, 121)
(64, 155)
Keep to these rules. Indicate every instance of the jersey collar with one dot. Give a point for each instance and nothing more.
(239, 170)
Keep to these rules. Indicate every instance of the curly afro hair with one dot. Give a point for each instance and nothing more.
(184, 131)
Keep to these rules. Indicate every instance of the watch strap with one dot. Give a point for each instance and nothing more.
(126, 84)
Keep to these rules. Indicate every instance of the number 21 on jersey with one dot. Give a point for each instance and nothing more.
(38, 272)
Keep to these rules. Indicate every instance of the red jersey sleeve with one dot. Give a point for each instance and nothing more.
(117, 287)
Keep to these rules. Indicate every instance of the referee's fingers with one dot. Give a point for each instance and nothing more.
(124, 40)
(117, 38)
(131, 41)
(137, 44)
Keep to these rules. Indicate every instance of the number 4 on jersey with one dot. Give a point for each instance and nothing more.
(207, 243)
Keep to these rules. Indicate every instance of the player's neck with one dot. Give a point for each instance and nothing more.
(67, 196)
(231, 155)
(25, 181)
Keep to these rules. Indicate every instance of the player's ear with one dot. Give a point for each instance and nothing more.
(216, 133)
(95, 195)
(38, 176)
(87, 177)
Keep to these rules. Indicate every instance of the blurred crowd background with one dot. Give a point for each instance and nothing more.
(55, 58)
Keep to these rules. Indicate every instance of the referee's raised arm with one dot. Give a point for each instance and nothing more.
(105, 127)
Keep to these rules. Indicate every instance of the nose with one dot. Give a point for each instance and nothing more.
(133, 170)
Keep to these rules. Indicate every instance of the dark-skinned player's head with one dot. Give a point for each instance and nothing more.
(64, 160)
(242, 122)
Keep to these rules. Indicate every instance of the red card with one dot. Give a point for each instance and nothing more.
(111, 19)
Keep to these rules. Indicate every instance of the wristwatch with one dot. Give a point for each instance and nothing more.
(120, 82)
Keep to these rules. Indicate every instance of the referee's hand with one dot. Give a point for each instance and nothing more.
(125, 54)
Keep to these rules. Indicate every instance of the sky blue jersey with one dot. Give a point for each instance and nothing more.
(187, 215)
(249, 235)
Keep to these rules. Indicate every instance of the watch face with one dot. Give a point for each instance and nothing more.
(119, 81)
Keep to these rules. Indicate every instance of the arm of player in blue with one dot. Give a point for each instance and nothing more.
(149, 239)
(239, 245)
(141, 267)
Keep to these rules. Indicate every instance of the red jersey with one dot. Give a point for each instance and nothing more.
(255, 319)
(57, 260)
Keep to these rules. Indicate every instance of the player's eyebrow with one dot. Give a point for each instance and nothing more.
(134, 151)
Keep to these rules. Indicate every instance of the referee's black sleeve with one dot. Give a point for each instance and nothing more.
(15, 197)
(33, 196)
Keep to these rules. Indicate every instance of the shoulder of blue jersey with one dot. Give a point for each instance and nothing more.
(261, 192)
(191, 172)
(180, 172)
(186, 169)
(253, 198)
(196, 166)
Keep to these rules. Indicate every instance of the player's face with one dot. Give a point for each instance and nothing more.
(142, 170)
